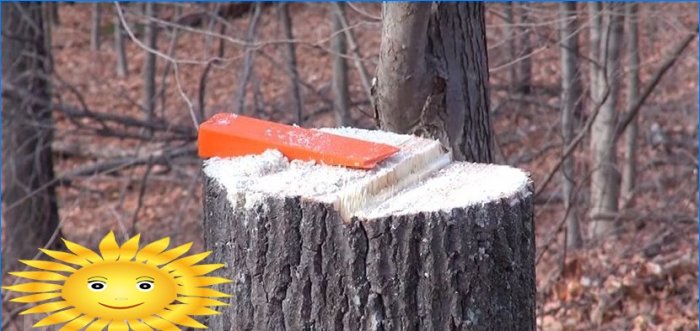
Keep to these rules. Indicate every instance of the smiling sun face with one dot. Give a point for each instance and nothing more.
(123, 287)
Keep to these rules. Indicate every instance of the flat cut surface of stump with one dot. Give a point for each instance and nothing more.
(418, 243)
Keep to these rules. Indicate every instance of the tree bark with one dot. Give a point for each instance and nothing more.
(432, 75)
(605, 178)
(629, 170)
(119, 47)
(30, 213)
(524, 83)
(286, 22)
(149, 68)
(570, 104)
(299, 264)
(96, 26)
(341, 99)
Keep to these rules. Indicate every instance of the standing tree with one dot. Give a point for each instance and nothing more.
(570, 104)
(149, 68)
(432, 77)
(29, 199)
(95, 28)
(605, 177)
(629, 169)
(341, 98)
(120, 47)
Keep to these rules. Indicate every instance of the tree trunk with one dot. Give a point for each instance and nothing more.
(509, 32)
(524, 84)
(149, 68)
(629, 170)
(96, 26)
(330, 248)
(30, 214)
(341, 99)
(119, 47)
(605, 177)
(432, 75)
(286, 21)
(248, 60)
(570, 102)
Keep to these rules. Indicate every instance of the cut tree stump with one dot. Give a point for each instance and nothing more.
(418, 243)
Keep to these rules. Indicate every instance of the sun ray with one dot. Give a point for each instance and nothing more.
(118, 326)
(152, 249)
(160, 324)
(198, 270)
(201, 301)
(34, 287)
(128, 250)
(98, 325)
(36, 297)
(39, 275)
(137, 325)
(202, 292)
(59, 317)
(170, 255)
(77, 323)
(193, 310)
(109, 247)
(47, 307)
(66, 257)
(202, 281)
(185, 262)
(80, 250)
(48, 265)
(179, 316)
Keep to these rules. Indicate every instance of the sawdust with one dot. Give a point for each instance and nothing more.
(408, 182)
(458, 185)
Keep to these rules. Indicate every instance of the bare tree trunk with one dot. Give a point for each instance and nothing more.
(95, 31)
(286, 21)
(605, 179)
(119, 47)
(248, 59)
(432, 76)
(341, 99)
(629, 170)
(525, 65)
(595, 12)
(54, 16)
(570, 102)
(149, 68)
(30, 213)
(510, 32)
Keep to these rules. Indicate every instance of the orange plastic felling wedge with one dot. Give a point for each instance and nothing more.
(228, 135)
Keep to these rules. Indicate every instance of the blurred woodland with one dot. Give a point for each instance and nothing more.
(599, 102)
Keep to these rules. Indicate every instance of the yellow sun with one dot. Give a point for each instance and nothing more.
(121, 288)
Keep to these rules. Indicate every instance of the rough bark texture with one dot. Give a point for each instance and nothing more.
(605, 178)
(29, 212)
(570, 104)
(629, 170)
(433, 73)
(297, 266)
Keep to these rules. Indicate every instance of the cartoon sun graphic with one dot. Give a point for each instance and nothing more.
(121, 288)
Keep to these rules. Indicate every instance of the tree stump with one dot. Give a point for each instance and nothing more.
(418, 243)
